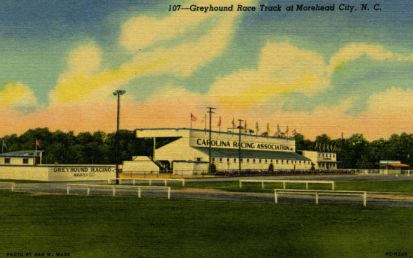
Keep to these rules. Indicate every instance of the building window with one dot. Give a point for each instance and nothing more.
(282, 161)
(240, 160)
(265, 161)
(253, 161)
(220, 160)
(6, 160)
(248, 160)
(198, 159)
(276, 161)
(227, 160)
(25, 161)
(235, 160)
(259, 160)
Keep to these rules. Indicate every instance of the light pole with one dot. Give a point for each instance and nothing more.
(117, 93)
(209, 142)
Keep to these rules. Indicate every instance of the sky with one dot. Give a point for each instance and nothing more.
(313, 71)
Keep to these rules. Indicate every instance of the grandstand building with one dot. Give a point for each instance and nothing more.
(186, 151)
(321, 160)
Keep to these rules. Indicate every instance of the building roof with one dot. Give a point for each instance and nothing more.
(397, 165)
(23, 153)
(229, 131)
(233, 153)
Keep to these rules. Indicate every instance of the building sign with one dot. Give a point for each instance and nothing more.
(80, 171)
(263, 146)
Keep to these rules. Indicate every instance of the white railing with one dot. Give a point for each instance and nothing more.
(144, 173)
(317, 194)
(284, 182)
(149, 180)
(12, 185)
(88, 187)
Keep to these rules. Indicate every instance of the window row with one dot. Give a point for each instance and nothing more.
(265, 161)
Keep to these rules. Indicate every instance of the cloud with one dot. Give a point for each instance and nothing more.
(18, 96)
(353, 51)
(85, 59)
(85, 80)
(283, 68)
(142, 32)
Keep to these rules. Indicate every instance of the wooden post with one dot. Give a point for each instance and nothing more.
(316, 198)
(240, 184)
(165, 182)
(150, 181)
(139, 192)
(365, 199)
(183, 182)
(88, 190)
(67, 190)
(12, 187)
(262, 184)
(169, 193)
(284, 184)
(333, 186)
(275, 196)
(113, 191)
(306, 185)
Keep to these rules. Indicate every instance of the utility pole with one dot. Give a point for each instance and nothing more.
(117, 93)
(239, 145)
(210, 112)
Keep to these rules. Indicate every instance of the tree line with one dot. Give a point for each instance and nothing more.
(84, 148)
(357, 152)
(99, 147)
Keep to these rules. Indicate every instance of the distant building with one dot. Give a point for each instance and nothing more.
(22, 158)
(321, 160)
(185, 151)
(392, 167)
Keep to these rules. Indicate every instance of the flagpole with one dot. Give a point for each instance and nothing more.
(35, 152)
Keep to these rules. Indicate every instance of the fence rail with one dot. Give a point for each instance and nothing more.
(284, 182)
(12, 185)
(317, 194)
(139, 189)
(149, 180)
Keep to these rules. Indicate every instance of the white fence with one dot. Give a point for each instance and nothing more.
(317, 194)
(149, 180)
(10, 184)
(284, 182)
(139, 189)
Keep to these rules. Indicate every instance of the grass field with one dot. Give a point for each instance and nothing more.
(130, 227)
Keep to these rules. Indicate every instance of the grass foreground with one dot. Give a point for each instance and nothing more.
(79, 226)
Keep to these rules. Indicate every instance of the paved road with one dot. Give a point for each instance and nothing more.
(374, 198)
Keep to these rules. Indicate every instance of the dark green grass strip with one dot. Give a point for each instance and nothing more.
(128, 227)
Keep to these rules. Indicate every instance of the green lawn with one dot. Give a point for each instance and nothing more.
(131, 227)
(360, 185)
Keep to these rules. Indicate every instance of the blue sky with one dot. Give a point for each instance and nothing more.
(39, 38)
